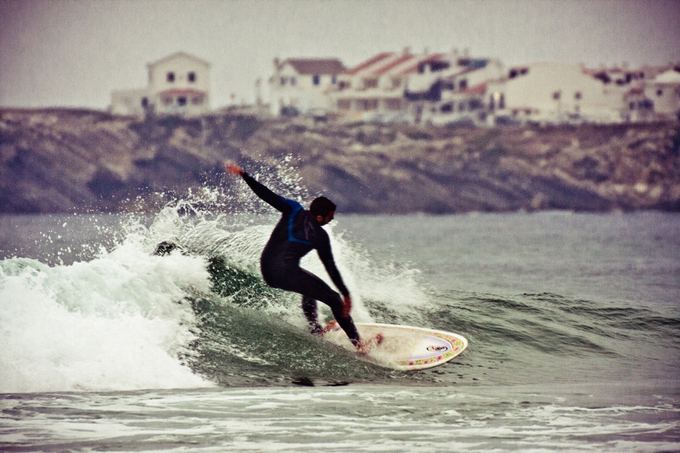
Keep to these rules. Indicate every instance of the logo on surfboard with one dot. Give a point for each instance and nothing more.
(435, 348)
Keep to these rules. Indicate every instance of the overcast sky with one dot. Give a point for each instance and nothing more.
(75, 52)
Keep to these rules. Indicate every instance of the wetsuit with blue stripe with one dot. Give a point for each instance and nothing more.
(296, 234)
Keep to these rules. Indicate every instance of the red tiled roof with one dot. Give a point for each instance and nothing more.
(316, 65)
(182, 92)
(477, 89)
(371, 61)
(382, 70)
(429, 58)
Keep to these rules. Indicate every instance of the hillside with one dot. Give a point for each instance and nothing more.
(77, 160)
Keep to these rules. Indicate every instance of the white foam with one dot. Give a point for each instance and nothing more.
(113, 323)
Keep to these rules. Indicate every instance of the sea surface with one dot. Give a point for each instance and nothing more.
(573, 322)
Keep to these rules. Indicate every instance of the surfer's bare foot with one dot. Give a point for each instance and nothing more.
(365, 346)
(330, 326)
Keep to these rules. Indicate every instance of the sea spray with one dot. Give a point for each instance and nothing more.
(114, 323)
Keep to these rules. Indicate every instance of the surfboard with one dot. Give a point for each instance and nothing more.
(402, 347)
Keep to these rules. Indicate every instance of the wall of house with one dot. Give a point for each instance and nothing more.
(181, 66)
(666, 98)
(288, 88)
(129, 102)
(558, 92)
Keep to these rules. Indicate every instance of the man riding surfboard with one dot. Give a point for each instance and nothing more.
(298, 232)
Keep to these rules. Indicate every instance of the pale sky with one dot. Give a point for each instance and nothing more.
(75, 52)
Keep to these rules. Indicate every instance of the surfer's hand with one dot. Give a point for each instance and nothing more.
(232, 168)
(346, 306)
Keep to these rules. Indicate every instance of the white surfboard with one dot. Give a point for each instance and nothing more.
(403, 347)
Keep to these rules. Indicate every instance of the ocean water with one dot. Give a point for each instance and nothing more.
(573, 322)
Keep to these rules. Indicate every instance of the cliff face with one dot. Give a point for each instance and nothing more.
(68, 160)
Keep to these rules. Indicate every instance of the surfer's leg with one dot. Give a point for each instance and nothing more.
(310, 311)
(314, 288)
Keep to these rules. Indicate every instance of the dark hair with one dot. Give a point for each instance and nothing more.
(321, 206)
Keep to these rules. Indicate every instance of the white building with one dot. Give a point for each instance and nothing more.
(130, 102)
(664, 93)
(301, 85)
(555, 93)
(177, 84)
(374, 89)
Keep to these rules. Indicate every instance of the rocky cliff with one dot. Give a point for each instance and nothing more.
(76, 160)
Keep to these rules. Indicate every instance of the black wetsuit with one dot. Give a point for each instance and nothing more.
(296, 234)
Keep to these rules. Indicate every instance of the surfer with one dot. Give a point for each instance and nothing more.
(296, 234)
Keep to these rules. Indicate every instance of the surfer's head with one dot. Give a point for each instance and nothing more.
(323, 210)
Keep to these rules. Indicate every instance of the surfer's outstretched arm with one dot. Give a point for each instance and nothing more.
(276, 201)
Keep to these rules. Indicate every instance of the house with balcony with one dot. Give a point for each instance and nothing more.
(178, 84)
(374, 89)
(302, 85)
(451, 89)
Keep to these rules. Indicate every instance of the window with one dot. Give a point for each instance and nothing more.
(293, 81)
(393, 104)
(192, 77)
(197, 100)
(370, 83)
(368, 104)
(170, 77)
(283, 81)
(344, 104)
(659, 92)
(463, 84)
(578, 96)
(167, 100)
(447, 108)
(334, 79)
(145, 102)
(182, 100)
(316, 79)
(557, 95)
